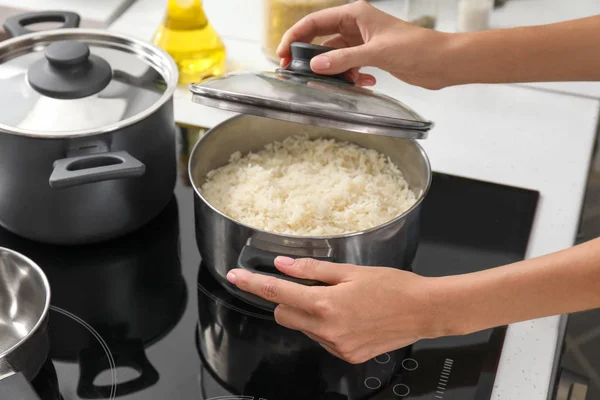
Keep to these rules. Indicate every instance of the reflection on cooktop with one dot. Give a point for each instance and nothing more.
(109, 302)
(46, 382)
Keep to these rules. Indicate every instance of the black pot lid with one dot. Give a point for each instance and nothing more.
(297, 94)
(80, 82)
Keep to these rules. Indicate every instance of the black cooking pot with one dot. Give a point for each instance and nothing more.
(249, 354)
(130, 291)
(87, 131)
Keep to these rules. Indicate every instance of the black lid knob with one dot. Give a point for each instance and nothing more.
(67, 53)
(302, 53)
(69, 71)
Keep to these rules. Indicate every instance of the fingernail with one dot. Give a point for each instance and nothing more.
(367, 81)
(321, 62)
(285, 261)
(231, 277)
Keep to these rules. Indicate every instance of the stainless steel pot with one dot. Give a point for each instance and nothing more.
(24, 340)
(225, 244)
(87, 132)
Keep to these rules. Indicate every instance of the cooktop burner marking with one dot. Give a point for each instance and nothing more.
(401, 390)
(232, 307)
(444, 378)
(372, 383)
(383, 358)
(109, 356)
(410, 364)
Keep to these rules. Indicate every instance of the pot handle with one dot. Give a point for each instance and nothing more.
(126, 354)
(16, 25)
(16, 386)
(262, 262)
(79, 170)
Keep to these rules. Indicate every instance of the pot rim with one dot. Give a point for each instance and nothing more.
(301, 237)
(153, 55)
(42, 320)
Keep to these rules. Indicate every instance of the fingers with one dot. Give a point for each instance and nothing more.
(295, 319)
(278, 291)
(366, 80)
(309, 268)
(320, 23)
(336, 42)
(353, 74)
(340, 60)
(284, 62)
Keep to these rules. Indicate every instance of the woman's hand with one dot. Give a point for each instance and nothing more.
(366, 36)
(366, 311)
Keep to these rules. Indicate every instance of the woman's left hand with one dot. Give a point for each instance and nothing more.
(365, 312)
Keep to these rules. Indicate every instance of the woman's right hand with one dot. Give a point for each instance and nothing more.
(366, 36)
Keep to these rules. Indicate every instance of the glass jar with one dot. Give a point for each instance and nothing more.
(474, 15)
(423, 13)
(187, 35)
(280, 15)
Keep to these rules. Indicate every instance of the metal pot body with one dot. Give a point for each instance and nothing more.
(225, 244)
(88, 189)
(19, 367)
(29, 357)
(24, 339)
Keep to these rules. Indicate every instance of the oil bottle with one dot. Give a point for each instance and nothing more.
(187, 35)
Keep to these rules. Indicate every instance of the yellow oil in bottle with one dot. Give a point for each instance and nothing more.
(187, 35)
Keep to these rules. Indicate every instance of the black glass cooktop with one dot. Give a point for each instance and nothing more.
(141, 317)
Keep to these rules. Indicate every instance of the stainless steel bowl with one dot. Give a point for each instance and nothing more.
(24, 308)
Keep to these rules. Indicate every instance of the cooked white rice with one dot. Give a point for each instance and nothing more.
(306, 187)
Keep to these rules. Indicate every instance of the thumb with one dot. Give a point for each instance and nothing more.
(340, 60)
(310, 268)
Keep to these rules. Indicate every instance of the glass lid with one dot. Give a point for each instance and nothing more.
(78, 82)
(299, 95)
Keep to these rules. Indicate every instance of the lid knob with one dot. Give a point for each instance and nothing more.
(302, 53)
(68, 71)
(66, 53)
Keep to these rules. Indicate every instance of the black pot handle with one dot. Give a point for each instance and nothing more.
(129, 354)
(262, 262)
(97, 167)
(16, 386)
(16, 25)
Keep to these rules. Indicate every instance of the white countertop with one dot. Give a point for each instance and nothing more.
(246, 22)
(501, 133)
(104, 11)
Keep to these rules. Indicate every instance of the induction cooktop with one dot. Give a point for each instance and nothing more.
(141, 317)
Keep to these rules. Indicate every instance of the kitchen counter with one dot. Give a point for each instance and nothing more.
(103, 11)
(501, 133)
(245, 24)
